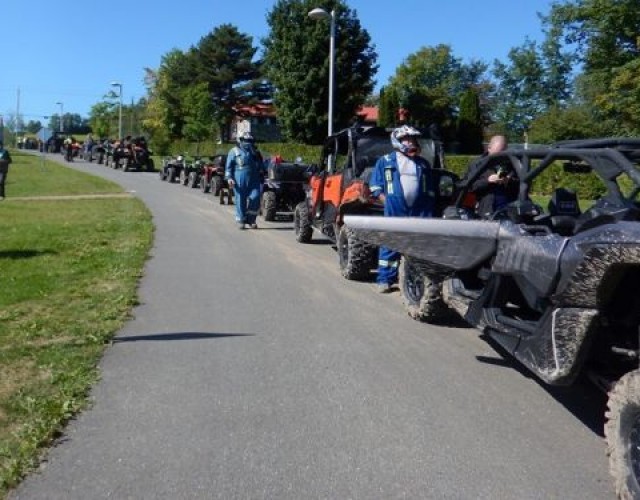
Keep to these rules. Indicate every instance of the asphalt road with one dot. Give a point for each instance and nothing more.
(253, 370)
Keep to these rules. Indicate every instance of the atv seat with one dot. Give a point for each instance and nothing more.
(564, 210)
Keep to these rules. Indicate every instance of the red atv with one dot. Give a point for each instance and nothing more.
(212, 179)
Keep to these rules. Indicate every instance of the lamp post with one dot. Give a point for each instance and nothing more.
(119, 85)
(61, 116)
(319, 13)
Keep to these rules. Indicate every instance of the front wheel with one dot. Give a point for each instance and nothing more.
(357, 258)
(622, 433)
(302, 223)
(204, 184)
(421, 294)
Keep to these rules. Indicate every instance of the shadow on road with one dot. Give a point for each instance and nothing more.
(177, 336)
(582, 398)
(275, 228)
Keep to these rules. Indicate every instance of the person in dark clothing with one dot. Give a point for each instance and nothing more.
(497, 187)
(5, 160)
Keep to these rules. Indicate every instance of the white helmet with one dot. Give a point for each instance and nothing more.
(180, 158)
(400, 133)
(245, 138)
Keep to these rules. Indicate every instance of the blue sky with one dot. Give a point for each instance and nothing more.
(69, 52)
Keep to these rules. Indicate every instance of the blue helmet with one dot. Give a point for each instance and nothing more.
(401, 133)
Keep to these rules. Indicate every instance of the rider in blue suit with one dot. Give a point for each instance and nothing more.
(403, 181)
(243, 172)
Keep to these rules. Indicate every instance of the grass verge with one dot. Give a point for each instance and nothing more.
(70, 270)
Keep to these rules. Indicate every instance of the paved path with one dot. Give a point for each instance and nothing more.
(252, 370)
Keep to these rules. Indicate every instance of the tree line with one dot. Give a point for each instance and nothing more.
(581, 80)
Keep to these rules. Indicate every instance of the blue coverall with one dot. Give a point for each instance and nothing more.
(385, 179)
(245, 168)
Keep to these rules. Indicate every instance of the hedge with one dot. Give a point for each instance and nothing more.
(587, 186)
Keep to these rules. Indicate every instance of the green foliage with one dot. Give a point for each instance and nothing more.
(102, 117)
(199, 112)
(558, 124)
(33, 126)
(388, 108)
(71, 267)
(459, 164)
(296, 62)
(224, 61)
(470, 130)
(289, 151)
(587, 186)
(429, 84)
(605, 35)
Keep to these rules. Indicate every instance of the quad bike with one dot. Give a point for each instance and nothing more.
(339, 186)
(171, 168)
(559, 289)
(133, 155)
(192, 172)
(283, 187)
(212, 179)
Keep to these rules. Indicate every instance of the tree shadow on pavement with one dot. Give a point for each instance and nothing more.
(155, 337)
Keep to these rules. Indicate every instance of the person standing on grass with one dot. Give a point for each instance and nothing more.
(5, 160)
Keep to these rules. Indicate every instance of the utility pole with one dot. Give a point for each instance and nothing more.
(16, 128)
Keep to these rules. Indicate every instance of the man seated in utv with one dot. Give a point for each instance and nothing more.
(496, 187)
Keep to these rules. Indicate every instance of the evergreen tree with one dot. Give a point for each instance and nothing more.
(389, 107)
(297, 63)
(470, 130)
(224, 61)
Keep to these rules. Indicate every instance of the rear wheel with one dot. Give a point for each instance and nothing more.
(421, 294)
(269, 205)
(171, 174)
(357, 257)
(302, 223)
(622, 433)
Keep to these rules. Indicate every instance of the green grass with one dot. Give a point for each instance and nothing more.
(32, 175)
(70, 269)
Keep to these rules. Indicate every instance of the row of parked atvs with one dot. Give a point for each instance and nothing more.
(130, 154)
(283, 185)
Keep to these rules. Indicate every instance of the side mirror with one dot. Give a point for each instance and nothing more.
(446, 186)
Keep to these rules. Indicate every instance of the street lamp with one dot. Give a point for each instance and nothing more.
(61, 115)
(119, 85)
(319, 13)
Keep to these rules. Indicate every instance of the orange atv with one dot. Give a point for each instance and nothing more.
(339, 186)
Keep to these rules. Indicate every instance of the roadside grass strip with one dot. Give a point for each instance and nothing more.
(69, 270)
